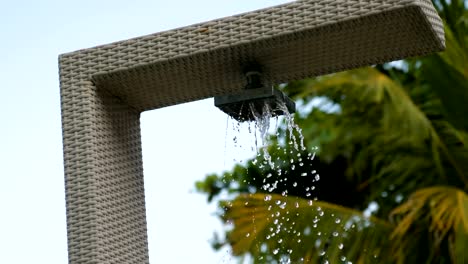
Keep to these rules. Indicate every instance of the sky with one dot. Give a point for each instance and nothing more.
(181, 144)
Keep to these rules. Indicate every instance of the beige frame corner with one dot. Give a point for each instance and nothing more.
(104, 90)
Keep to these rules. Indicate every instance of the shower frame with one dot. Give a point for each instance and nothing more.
(104, 89)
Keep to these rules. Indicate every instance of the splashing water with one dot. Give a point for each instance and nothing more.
(262, 123)
(295, 160)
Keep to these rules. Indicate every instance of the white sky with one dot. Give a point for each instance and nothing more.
(181, 144)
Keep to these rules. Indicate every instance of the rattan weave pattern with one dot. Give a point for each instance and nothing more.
(214, 51)
(104, 90)
(104, 178)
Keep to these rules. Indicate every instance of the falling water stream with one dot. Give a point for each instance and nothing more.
(297, 160)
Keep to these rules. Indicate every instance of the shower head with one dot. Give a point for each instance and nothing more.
(255, 100)
(249, 104)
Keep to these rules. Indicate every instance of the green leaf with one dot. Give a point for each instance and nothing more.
(305, 230)
(447, 74)
(458, 244)
(446, 211)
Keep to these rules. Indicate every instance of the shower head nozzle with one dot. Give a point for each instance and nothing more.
(254, 102)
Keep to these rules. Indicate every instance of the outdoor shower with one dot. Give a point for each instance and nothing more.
(105, 89)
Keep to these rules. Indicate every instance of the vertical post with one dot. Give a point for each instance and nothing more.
(106, 218)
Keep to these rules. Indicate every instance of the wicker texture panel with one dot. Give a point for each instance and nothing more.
(292, 41)
(104, 89)
(104, 177)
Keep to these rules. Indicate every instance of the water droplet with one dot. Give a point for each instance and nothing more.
(247, 235)
(275, 251)
(317, 177)
(340, 246)
(322, 253)
(337, 220)
(303, 174)
(268, 197)
(295, 184)
(313, 156)
(335, 234)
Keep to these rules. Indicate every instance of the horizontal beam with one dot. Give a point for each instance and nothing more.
(290, 41)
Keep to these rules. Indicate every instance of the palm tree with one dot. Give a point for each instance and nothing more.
(393, 154)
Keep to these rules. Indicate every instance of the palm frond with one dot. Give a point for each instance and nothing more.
(450, 83)
(305, 230)
(366, 96)
(446, 211)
